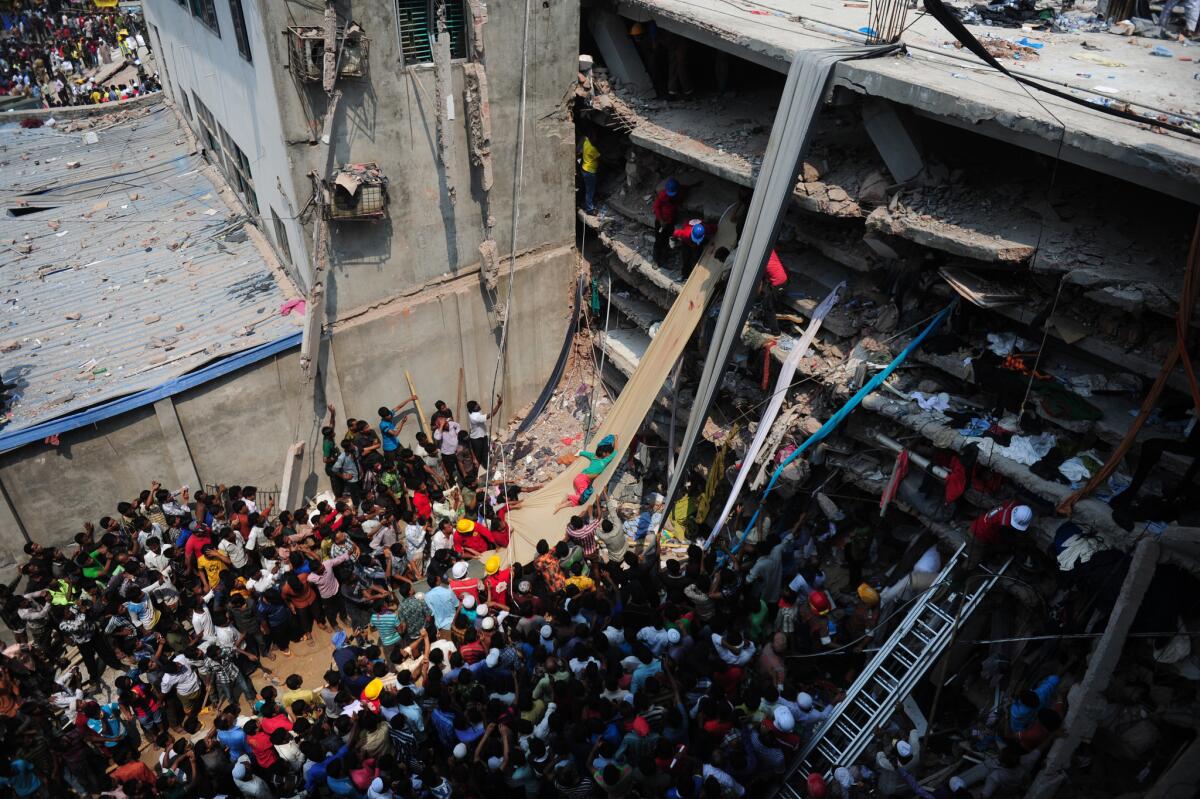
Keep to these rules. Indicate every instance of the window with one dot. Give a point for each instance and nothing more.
(206, 12)
(281, 238)
(416, 21)
(239, 28)
(208, 130)
(238, 171)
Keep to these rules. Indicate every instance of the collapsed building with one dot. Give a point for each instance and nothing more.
(1060, 235)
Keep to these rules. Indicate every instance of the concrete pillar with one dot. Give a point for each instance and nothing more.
(620, 56)
(292, 484)
(12, 538)
(177, 446)
(894, 138)
(1081, 721)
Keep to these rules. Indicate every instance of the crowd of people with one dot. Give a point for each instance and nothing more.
(53, 53)
(152, 654)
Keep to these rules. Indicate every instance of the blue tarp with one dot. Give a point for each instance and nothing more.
(10, 440)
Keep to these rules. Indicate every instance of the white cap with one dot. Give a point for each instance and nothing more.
(547, 631)
(459, 570)
(493, 657)
(420, 595)
(460, 751)
(239, 771)
(903, 749)
(804, 701)
(524, 587)
(1022, 515)
(370, 526)
(957, 784)
(468, 601)
(482, 610)
(495, 762)
(657, 498)
(843, 776)
(673, 636)
(784, 721)
(488, 623)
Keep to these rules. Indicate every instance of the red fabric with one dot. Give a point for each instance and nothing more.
(776, 274)
(956, 482)
(422, 505)
(899, 470)
(666, 208)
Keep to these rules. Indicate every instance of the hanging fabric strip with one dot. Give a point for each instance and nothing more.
(899, 470)
(772, 410)
(803, 94)
(835, 420)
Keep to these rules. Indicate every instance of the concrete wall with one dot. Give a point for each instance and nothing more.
(238, 428)
(391, 118)
(241, 96)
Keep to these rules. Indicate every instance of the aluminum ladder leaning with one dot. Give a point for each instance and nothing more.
(884, 683)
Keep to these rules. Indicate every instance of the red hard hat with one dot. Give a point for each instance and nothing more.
(816, 783)
(819, 603)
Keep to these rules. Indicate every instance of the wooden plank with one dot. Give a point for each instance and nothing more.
(417, 401)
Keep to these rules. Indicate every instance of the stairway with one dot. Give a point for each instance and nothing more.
(887, 680)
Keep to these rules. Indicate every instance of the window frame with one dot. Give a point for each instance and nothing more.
(206, 12)
(281, 239)
(237, 169)
(431, 12)
(241, 34)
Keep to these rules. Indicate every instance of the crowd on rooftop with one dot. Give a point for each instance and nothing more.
(53, 53)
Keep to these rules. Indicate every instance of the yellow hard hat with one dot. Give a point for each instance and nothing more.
(374, 689)
(868, 595)
(465, 525)
(637, 29)
(492, 565)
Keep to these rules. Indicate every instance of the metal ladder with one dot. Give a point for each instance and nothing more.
(887, 680)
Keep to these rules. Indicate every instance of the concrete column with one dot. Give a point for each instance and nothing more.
(12, 537)
(177, 446)
(1081, 721)
(292, 484)
(893, 137)
(620, 56)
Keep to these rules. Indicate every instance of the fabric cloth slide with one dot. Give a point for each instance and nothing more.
(536, 519)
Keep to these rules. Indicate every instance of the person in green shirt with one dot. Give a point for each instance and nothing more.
(598, 461)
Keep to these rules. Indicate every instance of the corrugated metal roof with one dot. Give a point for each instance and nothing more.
(129, 275)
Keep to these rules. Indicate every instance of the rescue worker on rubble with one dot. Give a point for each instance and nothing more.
(865, 617)
(690, 238)
(814, 614)
(991, 528)
(666, 209)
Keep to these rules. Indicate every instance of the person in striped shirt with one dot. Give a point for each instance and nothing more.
(583, 532)
(386, 623)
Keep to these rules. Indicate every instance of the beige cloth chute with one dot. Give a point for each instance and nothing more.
(536, 519)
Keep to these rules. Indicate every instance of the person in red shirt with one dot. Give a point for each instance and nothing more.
(471, 538)
(774, 292)
(990, 528)
(666, 208)
(421, 503)
(497, 582)
(461, 584)
(260, 745)
(472, 650)
(690, 238)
